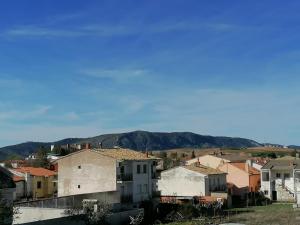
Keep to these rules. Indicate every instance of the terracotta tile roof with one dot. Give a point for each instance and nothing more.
(39, 172)
(18, 178)
(124, 154)
(203, 169)
(245, 167)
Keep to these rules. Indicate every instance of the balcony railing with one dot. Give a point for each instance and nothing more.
(219, 188)
(124, 177)
(126, 199)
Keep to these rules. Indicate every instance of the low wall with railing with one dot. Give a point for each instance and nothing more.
(112, 197)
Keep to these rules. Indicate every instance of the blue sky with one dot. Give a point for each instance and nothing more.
(227, 68)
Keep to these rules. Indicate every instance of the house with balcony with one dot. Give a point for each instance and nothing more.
(280, 179)
(129, 175)
(190, 181)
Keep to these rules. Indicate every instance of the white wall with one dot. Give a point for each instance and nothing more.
(48, 216)
(92, 171)
(31, 214)
(179, 181)
(20, 190)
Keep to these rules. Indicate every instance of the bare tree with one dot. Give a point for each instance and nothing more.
(92, 212)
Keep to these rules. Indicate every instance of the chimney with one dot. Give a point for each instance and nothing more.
(87, 146)
(51, 148)
(100, 144)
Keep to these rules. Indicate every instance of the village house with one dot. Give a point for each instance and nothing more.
(241, 178)
(131, 174)
(187, 182)
(39, 182)
(280, 179)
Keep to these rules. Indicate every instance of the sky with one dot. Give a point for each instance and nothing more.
(85, 68)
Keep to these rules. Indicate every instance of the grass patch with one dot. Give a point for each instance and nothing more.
(275, 214)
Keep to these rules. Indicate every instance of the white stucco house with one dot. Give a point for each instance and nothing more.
(191, 180)
(280, 179)
(130, 174)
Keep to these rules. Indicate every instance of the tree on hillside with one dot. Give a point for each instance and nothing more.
(41, 158)
(162, 154)
(193, 154)
(174, 155)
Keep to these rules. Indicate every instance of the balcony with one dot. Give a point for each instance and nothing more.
(220, 188)
(124, 177)
(126, 199)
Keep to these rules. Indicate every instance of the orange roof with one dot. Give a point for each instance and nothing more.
(245, 167)
(39, 172)
(18, 178)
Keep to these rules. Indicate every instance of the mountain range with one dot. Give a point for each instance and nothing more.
(138, 140)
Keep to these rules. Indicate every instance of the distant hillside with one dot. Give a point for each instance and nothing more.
(140, 140)
(294, 146)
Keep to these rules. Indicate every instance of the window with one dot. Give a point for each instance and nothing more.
(266, 192)
(145, 188)
(265, 176)
(286, 175)
(54, 184)
(78, 186)
(138, 169)
(145, 168)
(39, 185)
(122, 169)
(139, 188)
(277, 175)
(79, 167)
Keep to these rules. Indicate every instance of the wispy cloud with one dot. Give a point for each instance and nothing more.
(9, 83)
(115, 74)
(32, 31)
(109, 30)
(23, 114)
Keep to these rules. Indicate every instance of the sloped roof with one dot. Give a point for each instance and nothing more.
(124, 154)
(39, 172)
(203, 169)
(242, 166)
(283, 163)
(18, 178)
(233, 157)
(115, 153)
